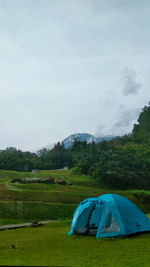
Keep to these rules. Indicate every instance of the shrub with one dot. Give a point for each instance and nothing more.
(49, 180)
(16, 180)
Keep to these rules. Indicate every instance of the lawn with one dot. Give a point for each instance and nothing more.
(50, 246)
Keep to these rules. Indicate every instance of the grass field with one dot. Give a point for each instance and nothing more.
(50, 246)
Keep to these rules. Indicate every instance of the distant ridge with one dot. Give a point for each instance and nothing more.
(84, 137)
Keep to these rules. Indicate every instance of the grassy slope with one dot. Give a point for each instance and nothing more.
(44, 201)
(69, 175)
(50, 246)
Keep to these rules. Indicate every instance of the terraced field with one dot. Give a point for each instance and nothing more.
(34, 201)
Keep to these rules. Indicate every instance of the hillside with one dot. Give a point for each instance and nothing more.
(34, 201)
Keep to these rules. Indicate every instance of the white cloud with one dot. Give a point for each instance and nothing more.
(60, 64)
(130, 85)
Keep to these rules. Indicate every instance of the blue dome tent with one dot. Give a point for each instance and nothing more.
(107, 216)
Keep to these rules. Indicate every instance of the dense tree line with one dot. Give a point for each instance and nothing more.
(123, 162)
(16, 160)
(141, 130)
(118, 166)
(45, 159)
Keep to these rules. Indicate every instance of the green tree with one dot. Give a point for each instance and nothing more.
(141, 130)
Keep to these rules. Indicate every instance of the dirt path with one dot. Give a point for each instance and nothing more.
(21, 225)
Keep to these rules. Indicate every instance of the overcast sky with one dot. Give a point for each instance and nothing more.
(70, 66)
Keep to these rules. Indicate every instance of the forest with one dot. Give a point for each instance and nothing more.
(122, 163)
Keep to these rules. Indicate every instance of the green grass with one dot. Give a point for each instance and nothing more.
(51, 197)
(50, 246)
(8, 221)
(28, 210)
(6, 176)
(68, 175)
(39, 201)
(66, 194)
(56, 187)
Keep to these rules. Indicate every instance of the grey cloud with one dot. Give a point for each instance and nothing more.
(130, 85)
(100, 131)
(125, 122)
(57, 58)
(122, 126)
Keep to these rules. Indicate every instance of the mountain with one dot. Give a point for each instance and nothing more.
(84, 137)
(104, 138)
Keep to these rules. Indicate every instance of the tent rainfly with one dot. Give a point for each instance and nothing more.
(107, 216)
